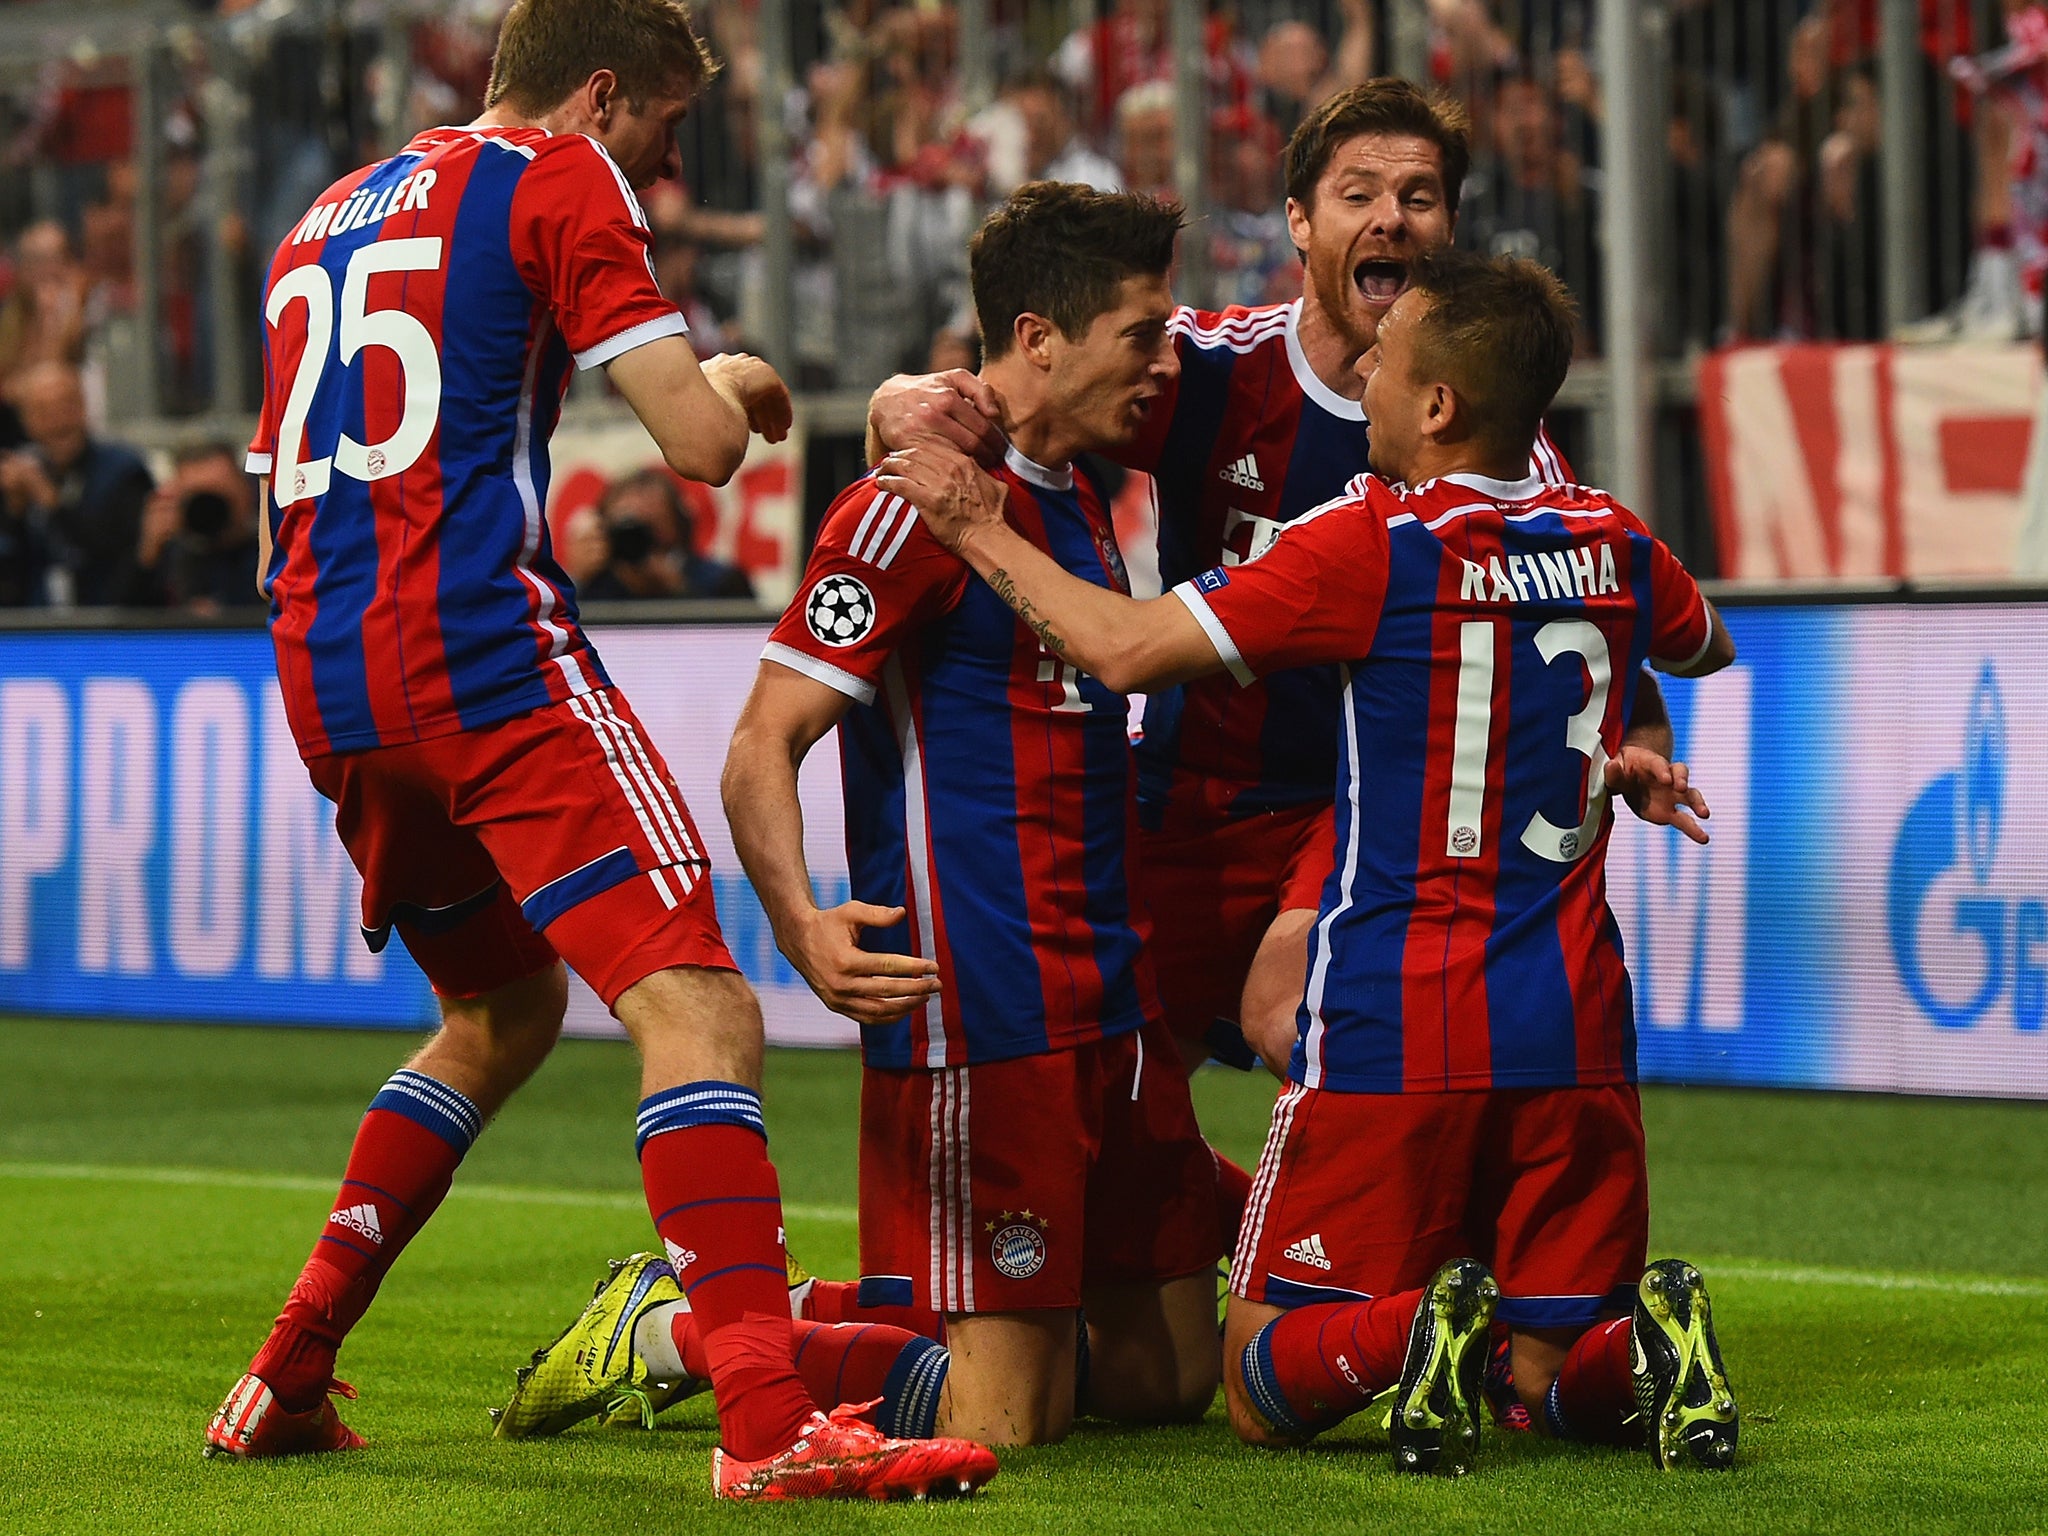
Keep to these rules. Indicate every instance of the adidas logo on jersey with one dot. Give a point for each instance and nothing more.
(1308, 1251)
(1244, 472)
(362, 1220)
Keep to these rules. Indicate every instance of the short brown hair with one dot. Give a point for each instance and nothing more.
(1386, 105)
(1062, 250)
(1500, 331)
(548, 48)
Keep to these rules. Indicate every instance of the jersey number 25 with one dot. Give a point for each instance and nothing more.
(293, 479)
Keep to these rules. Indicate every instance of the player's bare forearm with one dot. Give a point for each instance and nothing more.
(1650, 722)
(700, 416)
(783, 719)
(1129, 645)
(765, 812)
(263, 537)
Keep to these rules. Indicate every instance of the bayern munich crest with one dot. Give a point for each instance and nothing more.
(1018, 1247)
(840, 610)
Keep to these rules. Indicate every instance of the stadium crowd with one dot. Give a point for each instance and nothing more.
(1770, 190)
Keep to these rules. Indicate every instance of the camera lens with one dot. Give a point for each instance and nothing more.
(631, 541)
(207, 514)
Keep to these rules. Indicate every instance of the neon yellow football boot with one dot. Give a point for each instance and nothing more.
(592, 1367)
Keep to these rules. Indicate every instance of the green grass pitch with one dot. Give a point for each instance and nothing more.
(1877, 1269)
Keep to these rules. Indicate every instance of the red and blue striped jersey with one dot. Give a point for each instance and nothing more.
(989, 785)
(421, 323)
(1246, 440)
(1489, 630)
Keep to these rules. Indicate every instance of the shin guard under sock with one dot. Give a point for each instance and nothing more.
(1316, 1366)
(406, 1151)
(847, 1363)
(718, 1207)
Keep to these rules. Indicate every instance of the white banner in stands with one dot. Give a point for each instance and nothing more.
(1868, 461)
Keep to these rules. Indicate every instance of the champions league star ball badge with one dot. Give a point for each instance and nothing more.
(1018, 1248)
(841, 611)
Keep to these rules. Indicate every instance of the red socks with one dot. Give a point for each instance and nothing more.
(1316, 1366)
(718, 1208)
(851, 1363)
(1233, 1190)
(1594, 1396)
(839, 1301)
(405, 1155)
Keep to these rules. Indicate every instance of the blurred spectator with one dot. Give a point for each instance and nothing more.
(1145, 138)
(835, 157)
(1053, 150)
(198, 550)
(43, 319)
(1252, 258)
(82, 498)
(1527, 196)
(1770, 289)
(953, 349)
(651, 552)
(583, 551)
(1133, 45)
(1297, 72)
(2009, 267)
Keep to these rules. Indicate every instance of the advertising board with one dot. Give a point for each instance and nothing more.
(1871, 914)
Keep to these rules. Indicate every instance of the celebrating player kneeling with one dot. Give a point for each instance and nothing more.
(494, 789)
(1463, 1079)
(1028, 1146)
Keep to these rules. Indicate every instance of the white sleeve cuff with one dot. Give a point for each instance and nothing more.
(1226, 648)
(638, 336)
(257, 464)
(819, 671)
(1666, 664)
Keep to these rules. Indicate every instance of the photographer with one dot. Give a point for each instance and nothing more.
(199, 547)
(650, 540)
(78, 499)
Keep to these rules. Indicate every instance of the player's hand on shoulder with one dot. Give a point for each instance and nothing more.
(759, 390)
(1660, 792)
(953, 493)
(956, 408)
(866, 987)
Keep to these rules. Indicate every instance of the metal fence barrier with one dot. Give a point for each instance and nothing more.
(1697, 171)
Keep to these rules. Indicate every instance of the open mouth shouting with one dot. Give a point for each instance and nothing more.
(1380, 281)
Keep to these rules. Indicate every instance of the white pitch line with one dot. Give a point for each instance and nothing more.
(505, 1194)
(1873, 1280)
(508, 1194)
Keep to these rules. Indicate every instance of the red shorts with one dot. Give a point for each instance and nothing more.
(562, 822)
(1015, 1184)
(1365, 1194)
(1213, 886)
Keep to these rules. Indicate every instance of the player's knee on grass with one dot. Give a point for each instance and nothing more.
(1241, 1324)
(1011, 1380)
(1152, 1351)
(1273, 986)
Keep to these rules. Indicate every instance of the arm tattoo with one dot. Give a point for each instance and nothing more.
(999, 581)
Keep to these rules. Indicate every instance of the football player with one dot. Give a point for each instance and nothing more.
(1461, 1129)
(502, 803)
(1029, 1151)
